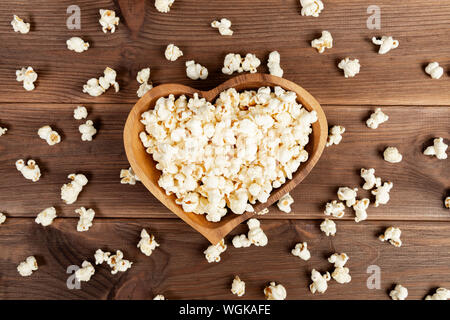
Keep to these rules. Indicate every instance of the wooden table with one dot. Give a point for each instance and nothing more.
(418, 109)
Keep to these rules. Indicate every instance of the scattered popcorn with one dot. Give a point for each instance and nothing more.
(142, 77)
(250, 63)
(266, 211)
(382, 193)
(438, 149)
(360, 208)
(319, 284)
(275, 292)
(71, 190)
(392, 235)
(376, 118)
(301, 251)
(19, 25)
(128, 176)
(147, 243)
(341, 275)
(328, 227)
(324, 42)
(232, 63)
(351, 67)
(284, 204)
(399, 293)
(87, 130)
(117, 263)
(212, 254)
(335, 135)
(434, 70)
(238, 287)
(86, 218)
(50, 136)
(77, 44)
(224, 26)
(311, 8)
(370, 180)
(28, 76)
(447, 202)
(27, 267)
(159, 296)
(101, 256)
(172, 52)
(85, 272)
(441, 294)
(80, 112)
(163, 5)
(335, 209)
(255, 236)
(348, 195)
(274, 64)
(392, 155)
(30, 171)
(196, 71)
(2, 218)
(96, 87)
(386, 44)
(3, 131)
(339, 260)
(46, 216)
(108, 20)
(241, 241)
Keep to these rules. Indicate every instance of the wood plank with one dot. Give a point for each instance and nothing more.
(260, 26)
(179, 270)
(420, 183)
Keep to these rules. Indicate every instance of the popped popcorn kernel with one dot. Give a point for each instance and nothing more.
(163, 6)
(86, 271)
(128, 176)
(27, 267)
(28, 76)
(328, 227)
(392, 235)
(386, 43)
(441, 294)
(370, 180)
(351, 67)
(86, 218)
(172, 52)
(147, 243)
(143, 77)
(335, 209)
(19, 25)
(360, 208)
(274, 64)
(301, 251)
(255, 236)
(3, 131)
(108, 20)
(117, 263)
(335, 135)
(196, 71)
(285, 202)
(49, 135)
(223, 26)
(96, 87)
(87, 130)
(46, 216)
(77, 44)
(382, 193)
(71, 190)
(319, 284)
(250, 63)
(341, 275)
(324, 42)
(232, 63)
(238, 287)
(338, 259)
(447, 202)
(438, 149)
(2, 218)
(30, 171)
(101, 256)
(399, 293)
(275, 291)
(212, 253)
(392, 155)
(376, 118)
(159, 297)
(80, 112)
(434, 70)
(311, 8)
(348, 195)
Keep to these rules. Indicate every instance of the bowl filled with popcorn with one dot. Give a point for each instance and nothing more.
(215, 158)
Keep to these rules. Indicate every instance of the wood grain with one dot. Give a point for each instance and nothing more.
(260, 26)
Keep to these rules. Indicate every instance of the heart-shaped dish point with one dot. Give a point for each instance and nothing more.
(145, 167)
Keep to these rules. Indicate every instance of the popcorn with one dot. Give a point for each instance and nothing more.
(85, 272)
(325, 41)
(96, 87)
(224, 26)
(360, 208)
(50, 136)
(319, 282)
(335, 209)
(255, 236)
(163, 5)
(335, 135)
(392, 155)
(263, 212)
(434, 70)
(80, 112)
(399, 293)
(77, 44)
(370, 180)
(351, 67)
(232, 63)
(117, 263)
(159, 296)
(382, 193)
(447, 202)
(274, 64)
(196, 71)
(172, 52)
(438, 149)
(86, 218)
(46, 217)
(386, 44)
(339, 260)
(311, 8)
(301, 251)
(241, 241)
(87, 130)
(101, 256)
(250, 63)
(142, 77)
(238, 287)
(108, 20)
(212, 254)
(27, 267)
(30, 171)
(71, 190)
(128, 176)
(376, 118)
(392, 235)
(28, 76)
(328, 227)
(147, 243)
(284, 204)
(341, 275)
(275, 292)
(19, 25)
(2, 218)
(348, 195)
(3, 131)
(441, 294)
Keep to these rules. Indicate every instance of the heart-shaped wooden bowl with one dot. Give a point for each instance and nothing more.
(144, 166)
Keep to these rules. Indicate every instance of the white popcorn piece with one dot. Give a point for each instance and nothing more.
(263, 212)
(86, 218)
(255, 236)
(360, 208)
(108, 20)
(348, 195)
(376, 118)
(382, 193)
(392, 235)
(80, 113)
(128, 176)
(370, 180)
(86, 271)
(172, 52)
(399, 293)
(27, 267)
(159, 296)
(447, 202)
(28, 76)
(328, 227)
(77, 44)
(224, 26)
(392, 155)
(338, 259)
(30, 171)
(241, 241)
(49, 135)
(301, 251)
(335, 209)
(285, 202)
(96, 87)
(143, 77)
(335, 135)
(163, 5)
(324, 42)
(438, 149)
(196, 71)
(19, 25)
(2, 218)
(386, 44)
(87, 130)
(238, 287)
(71, 190)
(351, 67)
(274, 64)
(250, 63)
(147, 243)
(117, 263)
(441, 294)
(101, 256)
(212, 253)
(275, 291)
(3, 131)
(320, 282)
(93, 88)
(341, 275)
(232, 63)
(46, 216)
(434, 70)
(311, 8)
